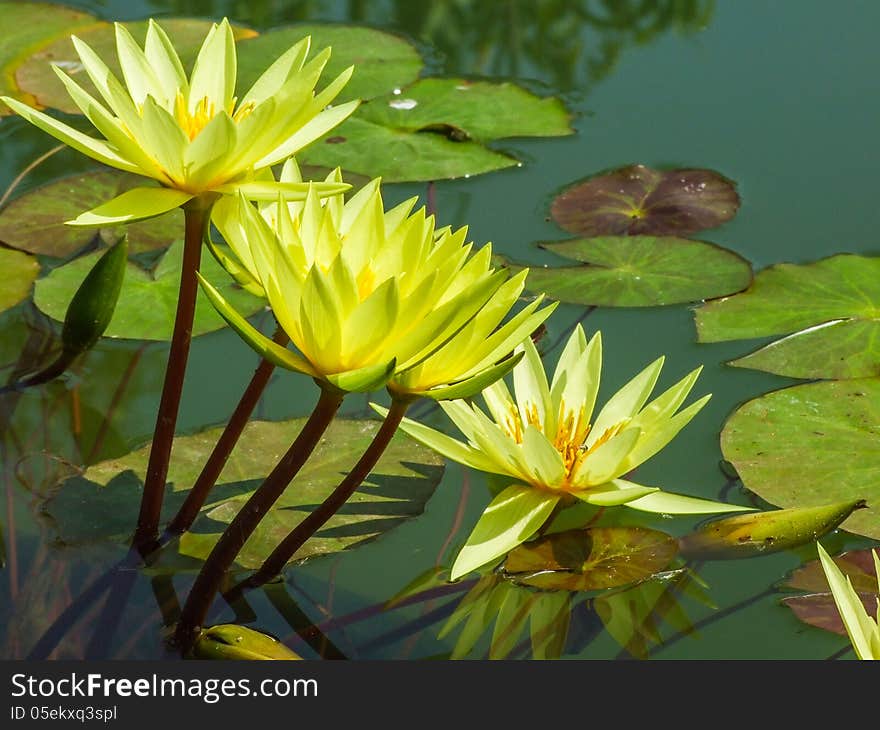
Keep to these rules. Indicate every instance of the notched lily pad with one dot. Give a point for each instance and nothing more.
(636, 200)
(591, 559)
(639, 271)
(818, 608)
(19, 271)
(148, 300)
(35, 221)
(809, 444)
(382, 61)
(34, 75)
(436, 129)
(33, 25)
(830, 310)
(761, 533)
(103, 503)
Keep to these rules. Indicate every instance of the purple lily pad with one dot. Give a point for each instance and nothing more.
(638, 200)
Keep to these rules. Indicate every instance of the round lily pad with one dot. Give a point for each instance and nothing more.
(35, 221)
(810, 445)
(382, 61)
(639, 271)
(436, 129)
(818, 607)
(19, 272)
(637, 200)
(34, 75)
(148, 300)
(591, 559)
(102, 504)
(829, 310)
(27, 26)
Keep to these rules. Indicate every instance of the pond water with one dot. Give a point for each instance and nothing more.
(778, 97)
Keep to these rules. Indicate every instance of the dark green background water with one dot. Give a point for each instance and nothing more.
(780, 97)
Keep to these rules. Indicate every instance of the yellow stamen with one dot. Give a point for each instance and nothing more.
(513, 424)
(193, 122)
(366, 282)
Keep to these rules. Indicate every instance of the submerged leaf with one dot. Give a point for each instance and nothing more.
(810, 444)
(828, 309)
(148, 299)
(639, 271)
(761, 533)
(592, 558)
(19, 273)
(103, 503)
(637, 200)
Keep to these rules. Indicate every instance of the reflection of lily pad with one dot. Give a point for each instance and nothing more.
(148, 300)
(831, 307)
(436, 129)
(818, 608)
(591, 559)
(103, 503)
(810, 445)
(639, 200)
(640, 271)
(382, 61)
(19, 271)
(30, 25)
(35, 76)
(35, 221)
(761, 533)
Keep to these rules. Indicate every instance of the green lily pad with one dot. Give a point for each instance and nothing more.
(436, 129)
(591, 559)
(761, 533)
(27, 26)
(148, 300)
(812, 444)
(638, 200)
(639, 271)
(830, 310)
(19, 272)
(818, 608)
(382, 61)
(103, 503)
(33, 73)
(35, 221)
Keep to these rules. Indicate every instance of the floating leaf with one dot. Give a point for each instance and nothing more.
(828, 308)
(639, 271)
(231, 641)
(819, 609)
(148, 300)
(810, 444)
(35, 221)
(33, 72)
(637, 200)
(382, 61)
(103, 503)
(591, 559)
(436, 129)
(19, 272)
(32, 25)
(760, 533)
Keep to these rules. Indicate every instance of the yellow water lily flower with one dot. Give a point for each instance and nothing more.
(863, 631)
(553, 449)
(371, 297)
(194, 135)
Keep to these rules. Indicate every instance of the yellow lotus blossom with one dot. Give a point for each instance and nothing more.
(193, 134)
(552, 448)
(371, 297)
(863, 631)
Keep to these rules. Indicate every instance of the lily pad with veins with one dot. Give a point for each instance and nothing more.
(639, 200)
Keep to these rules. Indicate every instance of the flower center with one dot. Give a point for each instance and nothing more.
(193, 122)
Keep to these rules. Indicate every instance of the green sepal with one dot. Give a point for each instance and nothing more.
(475, 384)
(94, 302)
(363, 380)
(234, 269)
